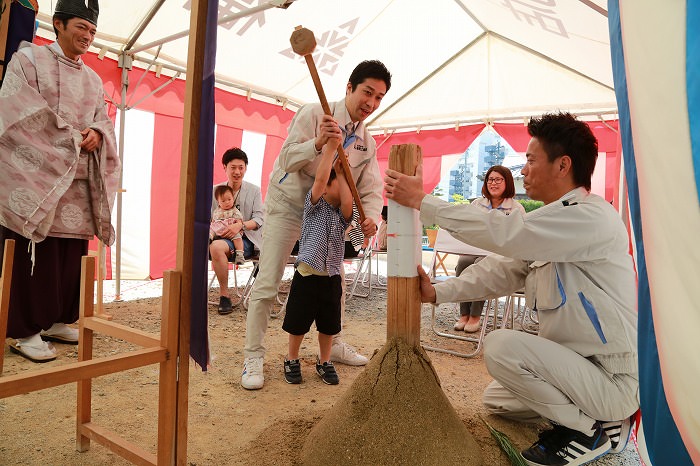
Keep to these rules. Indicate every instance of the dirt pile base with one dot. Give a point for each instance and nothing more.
(395, 413)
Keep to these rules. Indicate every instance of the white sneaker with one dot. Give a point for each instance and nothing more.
(252, 377)
(34, 349)
(619, 433)
(346, 354)
(61, 333)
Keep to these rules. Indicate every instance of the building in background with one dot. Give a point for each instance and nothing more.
(489, 149)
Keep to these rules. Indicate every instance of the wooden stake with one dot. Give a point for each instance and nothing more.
(403, 291)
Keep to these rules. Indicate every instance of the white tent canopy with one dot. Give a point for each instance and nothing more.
(453, 61)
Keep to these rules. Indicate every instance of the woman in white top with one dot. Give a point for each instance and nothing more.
(498, 192)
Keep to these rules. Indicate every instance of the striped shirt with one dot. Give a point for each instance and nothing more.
(322, 242)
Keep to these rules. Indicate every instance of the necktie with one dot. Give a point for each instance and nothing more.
(350, 136)
(355, 234)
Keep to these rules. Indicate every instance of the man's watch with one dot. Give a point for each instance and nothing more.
(243, 226)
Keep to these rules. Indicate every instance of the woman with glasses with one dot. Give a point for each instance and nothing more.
(498, 192)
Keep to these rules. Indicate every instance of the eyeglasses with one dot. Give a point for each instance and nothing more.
(495, 180)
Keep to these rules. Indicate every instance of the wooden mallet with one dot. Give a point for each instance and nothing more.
(304, 43)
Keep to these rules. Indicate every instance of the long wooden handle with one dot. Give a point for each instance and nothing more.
(341, 153)
(4, 25)
(303, 43)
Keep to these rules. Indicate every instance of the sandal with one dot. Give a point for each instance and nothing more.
(61, 333)
(35, 352)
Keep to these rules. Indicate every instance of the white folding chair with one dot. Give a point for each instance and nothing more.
(446, 244)
(281, 296)
(362, 276)
(236, 295)
(517, 311)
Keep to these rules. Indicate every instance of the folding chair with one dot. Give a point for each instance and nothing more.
(281, 296)
(363, 274)
(490, 318)
(233, 271)
(446, 244)
(517, 310)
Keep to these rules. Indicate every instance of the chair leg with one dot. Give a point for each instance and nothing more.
(490, 308)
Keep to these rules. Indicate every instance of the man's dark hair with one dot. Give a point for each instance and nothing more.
(221, 189)
(562, 134)
(373, 69)
(64, 17)
(508, 180)
(234, 153)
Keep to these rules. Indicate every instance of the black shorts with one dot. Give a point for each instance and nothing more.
(313, 298)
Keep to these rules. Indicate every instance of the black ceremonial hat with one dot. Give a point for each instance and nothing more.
(85, 9)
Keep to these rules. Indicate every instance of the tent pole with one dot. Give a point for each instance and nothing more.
(224, 20)
(143, 24)
(120, 189)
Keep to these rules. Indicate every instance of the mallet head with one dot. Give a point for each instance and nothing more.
(303, 41)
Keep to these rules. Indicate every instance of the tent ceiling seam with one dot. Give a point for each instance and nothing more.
(143, 24)
(471, 15)
(428, 77)
(224, 20)
(595, 7)
(551, 60)
(599, 113)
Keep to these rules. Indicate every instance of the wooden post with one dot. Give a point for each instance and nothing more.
(87, 309)
(185, 227)
(403, 237)
(167, 385)
(4, 25)
(99, 280)
(5, 284)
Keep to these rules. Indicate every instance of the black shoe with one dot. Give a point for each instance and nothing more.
(225, 306)
(327, 373)
(562, 446)
(292, 371)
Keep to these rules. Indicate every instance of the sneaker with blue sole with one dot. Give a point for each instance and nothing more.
(561, 446)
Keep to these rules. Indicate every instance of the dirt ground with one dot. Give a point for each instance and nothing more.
(229, 425)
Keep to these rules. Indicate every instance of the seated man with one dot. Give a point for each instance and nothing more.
(247, 199)
(571, 255)
(381, 233)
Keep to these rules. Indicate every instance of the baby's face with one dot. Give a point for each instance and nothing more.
(225, 201)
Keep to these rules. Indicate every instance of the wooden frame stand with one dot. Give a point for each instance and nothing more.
(155, 350)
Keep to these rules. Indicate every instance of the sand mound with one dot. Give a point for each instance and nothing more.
(395, 413)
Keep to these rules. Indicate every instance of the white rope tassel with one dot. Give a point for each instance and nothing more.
(31, 249)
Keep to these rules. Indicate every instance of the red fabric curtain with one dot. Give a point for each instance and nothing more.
(165, 189)
(273, 145)
(434, 143)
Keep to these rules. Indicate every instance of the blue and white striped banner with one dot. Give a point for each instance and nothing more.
(655, 60)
